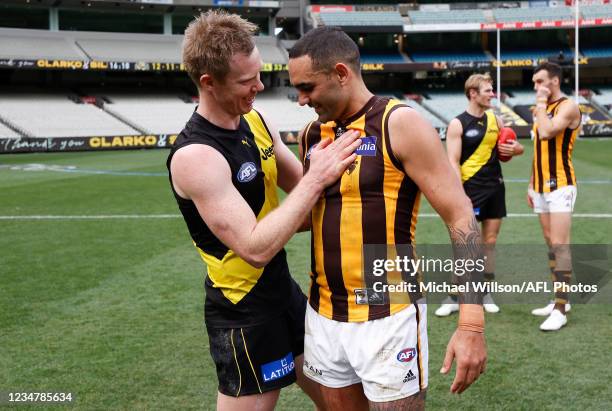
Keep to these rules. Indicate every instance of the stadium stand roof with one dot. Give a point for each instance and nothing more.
(133, 47)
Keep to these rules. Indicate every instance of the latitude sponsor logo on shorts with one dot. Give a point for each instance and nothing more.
(247, 172)
(406, 355)
(278, 369)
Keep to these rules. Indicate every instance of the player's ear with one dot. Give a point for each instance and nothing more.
(206, 82)
(342, 72)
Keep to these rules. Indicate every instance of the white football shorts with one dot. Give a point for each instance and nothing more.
(561, 200)
(389, 356)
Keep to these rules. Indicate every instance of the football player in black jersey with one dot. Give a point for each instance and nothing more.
(225, 167)
(472, 147)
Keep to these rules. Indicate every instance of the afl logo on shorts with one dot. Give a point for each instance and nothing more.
(406, 355)
(247, 172)
(471, 133)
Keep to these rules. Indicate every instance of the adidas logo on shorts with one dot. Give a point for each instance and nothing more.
(409, 377)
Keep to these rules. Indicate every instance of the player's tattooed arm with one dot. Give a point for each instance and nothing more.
(467, 247)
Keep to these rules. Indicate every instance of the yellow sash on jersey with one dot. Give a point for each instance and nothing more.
(482, 154)
(231, 274)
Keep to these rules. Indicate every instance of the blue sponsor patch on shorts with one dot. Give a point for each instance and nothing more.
(367, 147)
(278, 369)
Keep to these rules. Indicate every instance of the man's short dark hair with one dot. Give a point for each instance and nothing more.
(554, 70)
(327, 46)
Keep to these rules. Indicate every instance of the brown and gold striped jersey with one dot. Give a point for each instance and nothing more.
(552, 159)
(374, 202)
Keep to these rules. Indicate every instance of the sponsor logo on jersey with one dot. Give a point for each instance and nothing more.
(247, 172)
(409, 377)
(310, 151)
(267, 152)
(406, 355)
(278, 369)
(367, 147)
(311, 369)
(471, 132)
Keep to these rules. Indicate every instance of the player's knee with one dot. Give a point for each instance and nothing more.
(490, 238)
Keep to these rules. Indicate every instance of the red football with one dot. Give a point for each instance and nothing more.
(506, 135)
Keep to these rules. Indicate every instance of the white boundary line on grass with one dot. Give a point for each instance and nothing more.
(165, 216)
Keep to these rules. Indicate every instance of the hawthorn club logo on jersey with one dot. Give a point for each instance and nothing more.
(247, 172)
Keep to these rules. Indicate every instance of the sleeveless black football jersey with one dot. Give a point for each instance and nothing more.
(238, 294)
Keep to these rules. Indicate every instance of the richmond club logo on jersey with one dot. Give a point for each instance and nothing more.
(406, 355)
(367, 147)
(247, 172)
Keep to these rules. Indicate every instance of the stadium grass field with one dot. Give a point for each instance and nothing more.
(109, 308)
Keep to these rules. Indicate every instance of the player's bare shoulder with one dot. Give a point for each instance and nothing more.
(191, 165)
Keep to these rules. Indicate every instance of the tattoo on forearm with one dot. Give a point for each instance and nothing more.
(467, 245)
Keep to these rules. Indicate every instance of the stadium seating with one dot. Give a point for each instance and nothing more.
(604, 98)
(153, 114)
(287, 115)
(597, 52)
(54, 115)
(362, 18)
(601, 10)
(435, 121)
(446, 105)
(368, 57)
(527, 97)
(424, 57)
(533, 14)
(523, 54)
(7, 132)
(451, 16)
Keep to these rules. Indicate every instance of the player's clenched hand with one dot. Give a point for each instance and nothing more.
(328, 160)
(469, 350)
(507, 149)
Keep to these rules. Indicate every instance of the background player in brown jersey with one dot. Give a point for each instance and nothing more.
(552, 186)
(364, 351)
(472, 147)
(227, 192)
